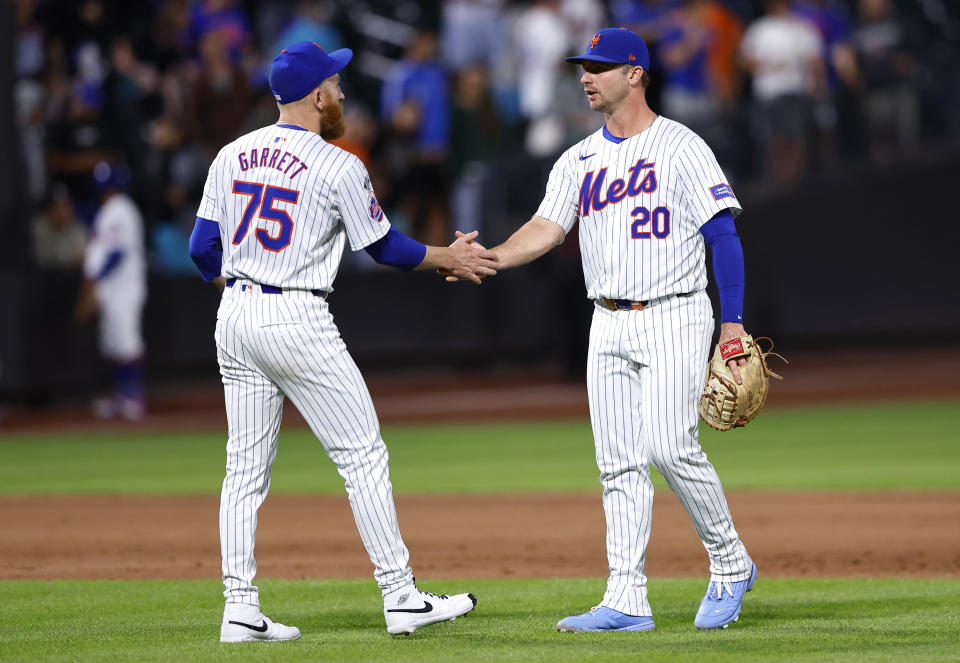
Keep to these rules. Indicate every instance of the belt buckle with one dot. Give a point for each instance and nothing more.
(623, 304)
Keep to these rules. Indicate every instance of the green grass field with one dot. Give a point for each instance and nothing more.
(782, 620)
(894, 446)
(909, 446)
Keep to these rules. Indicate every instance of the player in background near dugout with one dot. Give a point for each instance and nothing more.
(649, 195)
(115, 288)
(281, 202)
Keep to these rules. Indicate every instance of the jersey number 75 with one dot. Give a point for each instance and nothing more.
(261, 203)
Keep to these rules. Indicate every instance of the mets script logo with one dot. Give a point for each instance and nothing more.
(593, 196)
(373, 207)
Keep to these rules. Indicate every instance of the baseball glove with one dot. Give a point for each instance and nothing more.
(726, 404)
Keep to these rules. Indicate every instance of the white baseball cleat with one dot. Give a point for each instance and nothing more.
(260, 629)
(408, 609)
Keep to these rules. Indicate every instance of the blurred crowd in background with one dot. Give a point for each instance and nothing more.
(459, 107)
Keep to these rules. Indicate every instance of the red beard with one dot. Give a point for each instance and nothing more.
(332, 124)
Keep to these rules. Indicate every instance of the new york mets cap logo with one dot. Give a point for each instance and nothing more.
(617, 46)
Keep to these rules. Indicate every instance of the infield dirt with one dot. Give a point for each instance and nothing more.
(886, 534)
(890, 534)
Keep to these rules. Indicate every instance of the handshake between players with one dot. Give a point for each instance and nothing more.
(466, 259)
(535, 238)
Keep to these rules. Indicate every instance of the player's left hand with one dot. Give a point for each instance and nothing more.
(730, 331)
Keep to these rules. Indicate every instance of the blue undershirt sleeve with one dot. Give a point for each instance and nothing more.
(397, 250)
(720, 234)
(113, 259)
(205, 249)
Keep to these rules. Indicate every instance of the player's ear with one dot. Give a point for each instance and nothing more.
(318, 98)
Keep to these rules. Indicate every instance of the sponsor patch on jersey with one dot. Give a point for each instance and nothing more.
(373, 206)
(731, 349)
(721, 191)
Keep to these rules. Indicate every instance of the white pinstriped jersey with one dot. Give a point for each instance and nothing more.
(286, 202)
(118, 226)
(640, 203)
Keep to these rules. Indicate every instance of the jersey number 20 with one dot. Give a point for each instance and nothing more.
(660, 226)
(262, 199)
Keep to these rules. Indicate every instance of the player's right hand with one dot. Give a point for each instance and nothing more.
(470, 261)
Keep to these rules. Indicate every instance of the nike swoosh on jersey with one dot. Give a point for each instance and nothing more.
(584, 158)
(426, 608)
(260, 629)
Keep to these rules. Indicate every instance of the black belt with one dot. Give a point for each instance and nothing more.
(273, 290)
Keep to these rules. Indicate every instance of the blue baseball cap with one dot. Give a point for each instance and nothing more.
(616, 46)
(302, 67)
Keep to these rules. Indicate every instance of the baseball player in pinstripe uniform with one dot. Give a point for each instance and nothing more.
(278, 206)
(649, 196)
(115, 284)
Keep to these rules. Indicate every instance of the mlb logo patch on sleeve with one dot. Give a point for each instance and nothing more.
(721, 191)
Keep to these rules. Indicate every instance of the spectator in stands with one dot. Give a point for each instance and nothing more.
(29, 97)
(29, 45)
(470, 32)
(310, 22)
(219, 98)
(648, 18)
(79, 137)
(889, 102)
(477, 140)
(59, 236)
(688, 95)
(832, 114)
(128, 87)
(540, 40)
(583, 19)
(166, 42)
(415, 105)
(226, 18)
(215, 107)
(784, 56)
(90, 25)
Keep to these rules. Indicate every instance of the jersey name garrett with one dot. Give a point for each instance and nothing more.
(267, 158)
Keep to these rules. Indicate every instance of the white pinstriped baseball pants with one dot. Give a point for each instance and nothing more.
(275, 345)
(645, 373)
